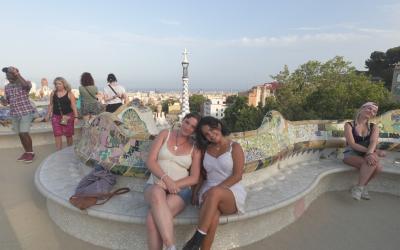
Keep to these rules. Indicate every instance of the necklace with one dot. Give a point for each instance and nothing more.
(176, 142)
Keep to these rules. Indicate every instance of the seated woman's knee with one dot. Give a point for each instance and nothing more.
(156, 194)
(214, 193)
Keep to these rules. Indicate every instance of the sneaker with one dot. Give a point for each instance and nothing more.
(365, 195)
(29, 157)
(191, 245)
(356, 192)
(22, 157)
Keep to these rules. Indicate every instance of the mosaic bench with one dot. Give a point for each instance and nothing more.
(288, 165)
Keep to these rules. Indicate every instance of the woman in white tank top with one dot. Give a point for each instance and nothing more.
(174, 162)
(221, 192)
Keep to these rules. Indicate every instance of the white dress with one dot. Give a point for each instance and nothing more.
(218, 169)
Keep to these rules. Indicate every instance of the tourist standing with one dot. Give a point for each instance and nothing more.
(21, 110)
(174, 162)
(361, 152)
(114, 94)
(89, 97)
(221, 192)
(44, 91)
(63, 112)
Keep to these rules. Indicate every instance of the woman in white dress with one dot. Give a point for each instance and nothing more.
(221, 191)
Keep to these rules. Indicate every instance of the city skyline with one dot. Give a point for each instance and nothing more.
(232, 45)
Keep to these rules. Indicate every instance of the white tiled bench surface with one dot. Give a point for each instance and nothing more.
(268, 189)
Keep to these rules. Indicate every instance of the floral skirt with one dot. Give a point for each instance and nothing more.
(91, 108)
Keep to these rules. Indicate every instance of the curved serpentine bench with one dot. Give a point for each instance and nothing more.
(277, 196)
(288, 165)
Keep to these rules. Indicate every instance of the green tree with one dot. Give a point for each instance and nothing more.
(195, 102)
(230, 99)
(330, 90)
(241, 117)
(381, 64)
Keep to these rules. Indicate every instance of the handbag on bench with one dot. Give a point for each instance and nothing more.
(95, 189)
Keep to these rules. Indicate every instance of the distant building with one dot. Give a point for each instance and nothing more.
(258, 93)
(160, 118)
(174, 108)
(214, 107)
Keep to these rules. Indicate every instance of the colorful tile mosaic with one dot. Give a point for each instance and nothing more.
(121, 141)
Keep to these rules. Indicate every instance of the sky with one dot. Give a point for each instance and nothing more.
(232, 45)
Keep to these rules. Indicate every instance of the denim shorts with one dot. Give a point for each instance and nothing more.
(351, 152)
(22, 124)
(185, 193)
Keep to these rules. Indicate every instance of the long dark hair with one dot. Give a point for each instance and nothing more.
(111, 78)
(86, 79)
(213, 123)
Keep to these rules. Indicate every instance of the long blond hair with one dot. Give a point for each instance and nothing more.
(66, 85)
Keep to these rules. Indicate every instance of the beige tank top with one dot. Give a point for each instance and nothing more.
(175, 166)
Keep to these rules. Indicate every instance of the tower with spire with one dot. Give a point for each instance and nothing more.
(185, 90)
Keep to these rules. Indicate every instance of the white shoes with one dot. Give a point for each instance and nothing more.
(360, 192)
(365, 195)
(357, 192)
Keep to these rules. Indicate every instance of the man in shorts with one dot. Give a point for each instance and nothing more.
(21, 110)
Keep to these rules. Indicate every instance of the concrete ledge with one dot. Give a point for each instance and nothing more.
(41, 133)
(277, 196)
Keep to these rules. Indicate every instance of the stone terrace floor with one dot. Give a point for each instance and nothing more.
(333, 221)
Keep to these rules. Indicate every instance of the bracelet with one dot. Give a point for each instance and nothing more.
(368, 154)
(163, 176)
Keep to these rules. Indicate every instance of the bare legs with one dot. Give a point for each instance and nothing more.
(217, 201)
(163, 208)
(26, 141)
(367, 172)
(70, 140)
(58, 140)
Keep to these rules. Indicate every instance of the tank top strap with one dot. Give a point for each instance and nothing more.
(169, 132)
(230, 147)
